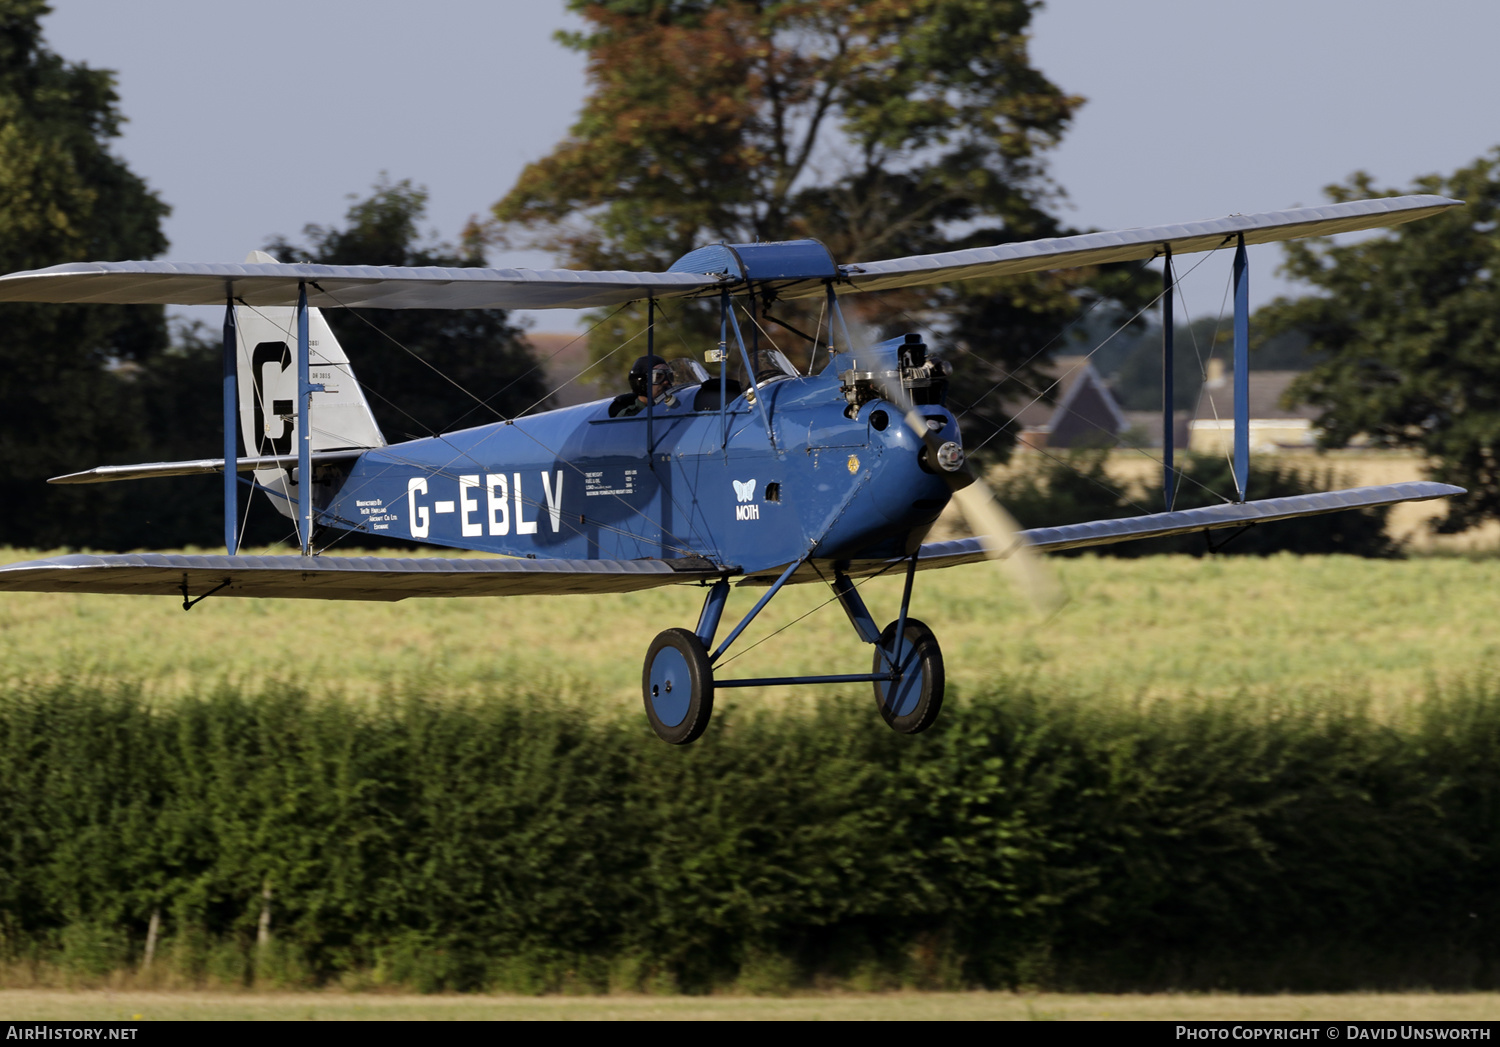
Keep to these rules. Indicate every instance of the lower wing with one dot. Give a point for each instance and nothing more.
(1185, 521)
(380, 578)
(342, 577)
(1155, 525)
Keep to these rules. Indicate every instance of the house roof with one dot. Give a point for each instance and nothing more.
(1083, 409)
(1216, 400)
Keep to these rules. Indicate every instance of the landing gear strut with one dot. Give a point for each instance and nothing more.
(678, 679)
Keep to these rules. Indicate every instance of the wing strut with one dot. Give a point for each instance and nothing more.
(231, 423)
(651, 386)
(754, 393)
(305, 389)
(1241, 370)
(724, 369)
(1168, 413)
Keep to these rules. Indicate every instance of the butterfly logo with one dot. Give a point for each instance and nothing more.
(744, 490)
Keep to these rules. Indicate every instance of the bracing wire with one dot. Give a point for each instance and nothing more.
(1040, 394)
(447, 469)
(1224, 445)
(777, 632)
(414, 355)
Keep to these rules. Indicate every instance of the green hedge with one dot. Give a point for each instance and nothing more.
(525, 844)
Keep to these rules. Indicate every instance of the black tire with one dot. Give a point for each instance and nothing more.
(918, 695)
(677, 684)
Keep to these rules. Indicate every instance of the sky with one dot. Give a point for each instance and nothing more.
(254, 120)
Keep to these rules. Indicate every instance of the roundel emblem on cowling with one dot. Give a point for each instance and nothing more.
(853, 464)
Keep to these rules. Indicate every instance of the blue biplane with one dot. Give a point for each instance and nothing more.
(691, 478)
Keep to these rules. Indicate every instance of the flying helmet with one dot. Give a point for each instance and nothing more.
(648, 371)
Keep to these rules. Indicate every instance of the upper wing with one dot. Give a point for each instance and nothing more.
(788, 272)
(334, 286)
(342, 577)
(1126, 245)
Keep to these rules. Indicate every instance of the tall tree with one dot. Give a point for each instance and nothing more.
(427, 370)
(1409, 321)
(66, 389)
(881, 127)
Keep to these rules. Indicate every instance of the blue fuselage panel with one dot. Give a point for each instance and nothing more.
(578, 484)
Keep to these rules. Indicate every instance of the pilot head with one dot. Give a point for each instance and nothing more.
(653, 370)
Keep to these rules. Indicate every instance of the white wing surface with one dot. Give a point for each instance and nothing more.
(374, 578)
(383, 579)
(1127, 245)
(334, 286)
(1155, 525)
(1186, 521)
(395, 287)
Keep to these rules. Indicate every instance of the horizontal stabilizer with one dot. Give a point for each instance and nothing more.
(342, 577)
(199, 466)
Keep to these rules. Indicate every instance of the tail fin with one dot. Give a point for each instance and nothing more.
(339, 416)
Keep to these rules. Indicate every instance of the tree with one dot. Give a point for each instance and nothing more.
(427, 370)
(881, 127)
(66, 388)
(1409, 321)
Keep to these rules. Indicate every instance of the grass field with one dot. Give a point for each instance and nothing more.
(37, 1005)
(1162, 626)
(1313, 630)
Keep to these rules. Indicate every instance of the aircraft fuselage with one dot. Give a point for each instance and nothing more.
(576, 484)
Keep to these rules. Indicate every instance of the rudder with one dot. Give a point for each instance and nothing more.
(340, 416)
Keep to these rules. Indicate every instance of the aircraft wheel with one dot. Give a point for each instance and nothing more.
(678, 684)
(911, 704)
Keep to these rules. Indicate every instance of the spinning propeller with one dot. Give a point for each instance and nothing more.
(1000, 536)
